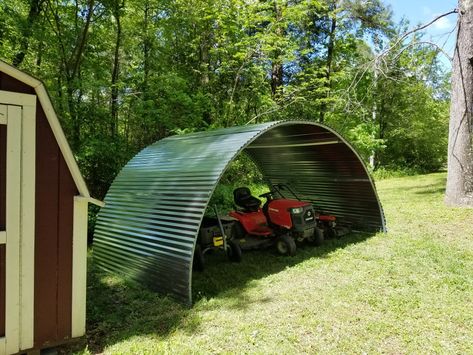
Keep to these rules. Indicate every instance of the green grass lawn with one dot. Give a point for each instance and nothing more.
(408, 291)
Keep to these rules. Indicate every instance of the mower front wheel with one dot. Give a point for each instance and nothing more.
(199, 261)
(317, 238)
(286, 245)
(331, 232)
(233, 251)
(237, 232)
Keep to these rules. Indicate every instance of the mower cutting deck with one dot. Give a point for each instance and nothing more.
(215, 234)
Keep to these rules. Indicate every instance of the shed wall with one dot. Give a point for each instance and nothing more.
(55, 191)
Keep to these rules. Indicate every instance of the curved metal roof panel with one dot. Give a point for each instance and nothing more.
(149, 225)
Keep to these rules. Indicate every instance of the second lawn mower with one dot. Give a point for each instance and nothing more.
(281, 221)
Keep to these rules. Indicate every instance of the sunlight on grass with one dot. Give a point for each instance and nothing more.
(409, 291)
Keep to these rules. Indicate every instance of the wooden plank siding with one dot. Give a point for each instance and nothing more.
(67, 189)
(46, 247)
(55, 191)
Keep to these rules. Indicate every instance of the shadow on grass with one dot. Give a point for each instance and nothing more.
(431, 191)
(222, 278)
(118, 310)
(438, 187)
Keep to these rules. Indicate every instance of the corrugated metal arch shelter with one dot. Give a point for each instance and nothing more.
(148, 227)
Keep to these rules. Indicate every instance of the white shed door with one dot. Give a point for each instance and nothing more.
(17, 234)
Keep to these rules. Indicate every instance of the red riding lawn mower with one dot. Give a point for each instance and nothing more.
(281, 221)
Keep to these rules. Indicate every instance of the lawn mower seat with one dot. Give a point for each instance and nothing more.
(243, 198)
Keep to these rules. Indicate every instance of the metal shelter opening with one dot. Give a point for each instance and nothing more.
(148, 228)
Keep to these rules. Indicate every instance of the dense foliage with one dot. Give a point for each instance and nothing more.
(124, 73)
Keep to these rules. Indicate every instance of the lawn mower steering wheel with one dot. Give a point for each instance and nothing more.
(267, 195)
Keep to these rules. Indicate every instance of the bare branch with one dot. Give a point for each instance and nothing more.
(248, 55)
(432, 44)
(417, 29)
(381, 61)
(274, 109)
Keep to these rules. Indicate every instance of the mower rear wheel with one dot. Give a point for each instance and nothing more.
(199, 261)
(317, 238)
(286, 245)
(233, 251)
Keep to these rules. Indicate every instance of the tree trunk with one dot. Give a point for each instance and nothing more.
(460, 151)
(27, 31)
(146, 50)
(75, 124)
(374, 114)
(276, 76)
(330, 50)
(205, 44)
(276, 65)
(39, 56)
(72, 66)
(115, 72)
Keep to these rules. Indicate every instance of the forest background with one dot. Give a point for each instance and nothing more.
(125, 73)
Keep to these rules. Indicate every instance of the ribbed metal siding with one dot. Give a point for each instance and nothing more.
(322, 168)
(154, 208)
